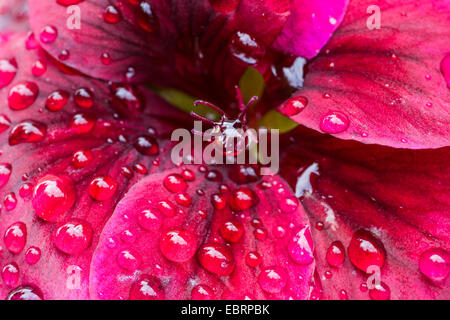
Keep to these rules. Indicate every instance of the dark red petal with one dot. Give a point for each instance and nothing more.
(203, 246)
(374, 208)
(50, 222)
(383, 86)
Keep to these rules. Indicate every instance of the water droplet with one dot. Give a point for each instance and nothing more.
(147, 288)
(260, 234)
(82, 123)
(10, 201)
(25, 190)
(53, 196)
(217, 259)
(202, 292)
(335, 254)
(64, 55)
(8, 70)
(145, 18)
(166, 208)
(128, 236)
(15, 237)
(22, 95)
(127, 98)
(272, 279)
(112, 15)
(300, 248)
(445, 69)
(29, 131)
(188, 175)
(56, 100)
(232, 231)
(147, 145)
(183, 199)
(343, 295)
(10, 274)
(245, 48)
(294, 106)
(84, 98)
(334, 122)
(5, 173)
(33, 255)
(366, 251)
(242, 198)
(30, 42)
(219, 202)
(48, 34)
(82, 158)
(68, 2)
(105, 58)
(380, 292)
(253, 259)
(175, 183)
(288, 204)
(73, 237)
(128, 260)
(435, 264)
(5, 123)
(25, 293)
(150, 220)
(102, 188)
(178, 245)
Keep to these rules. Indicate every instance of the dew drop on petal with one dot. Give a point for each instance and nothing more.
(245, 48)
(82, 158)
(435, 264)
(10, 201)
(5, 173)
(30, 42)
(294, 106)
(218, 201)
(28, 131)
(57, 100)
(334, 122)
(105, 58)
(175, 183)
(231, 231)
(288, 204)
(53, 196)
(335, 254)
(202, 292)
(253, 259)
(147, 145)
(178, 245)
(73, 237)
(380, 292)
(5, 123)
(224, 6)
(26, 292)
(128, 260)
(243, 198)
(22, 95)
(147, 288)
(166, 208)
(15, 237)
(84, 98)
(217, 259)
(300, 248)
(150, 220)
(145, 17)
(68, 2)
(48, 34)
(10, 274)
(365, 251)
(33, 255)
(8, 70)
(82, 123)
(273, 279)
(112, 15)
(102, 188)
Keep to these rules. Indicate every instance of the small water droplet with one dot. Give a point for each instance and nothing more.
(366, 251)
(145, 17)
(102, 188)
(273, 279)
(435, 264)
(112, 15)
(147, 145)
(22, 95)
(147, 288)
(202, 292)
(334, 122)
(15, 237)
(232, 231)
(29, 131)
(217, 259)
(48, 34)
(335, 254)
(175, 183)
(128, 260)
(294, 106)
(57, 100)
(300, 248)
(33, 255)
(178, 245)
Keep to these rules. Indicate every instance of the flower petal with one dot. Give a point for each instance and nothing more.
(59, 131)
(388, 208)
(228, 241)
(384, 85)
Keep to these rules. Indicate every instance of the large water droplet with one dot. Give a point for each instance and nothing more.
(22, 95)
(175, 183)
(335, 254)
(53, 196)
(27, 292)
(217, 259)
(243, 198)
(178, 245)
(273, 279)
(28, 131)
(112, 15)
(48, 34)
(232, 231)
(253, 259)
(334, 122)
(73, 237)
(294, 106)
(82, 158)
(57, 100)
(82, 123)
(15, 237)
(39, 68)
(84, 98)
(10, 274)
(127, 98)
(102, 188)
(366, 251)
(435, 264)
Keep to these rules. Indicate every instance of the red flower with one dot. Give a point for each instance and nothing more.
(93, 206)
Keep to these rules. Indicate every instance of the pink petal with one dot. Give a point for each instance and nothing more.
(256, 251)
(45, 193)
(386, 83)
(374, 207)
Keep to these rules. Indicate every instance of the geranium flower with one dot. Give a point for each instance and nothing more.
(94, 208)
